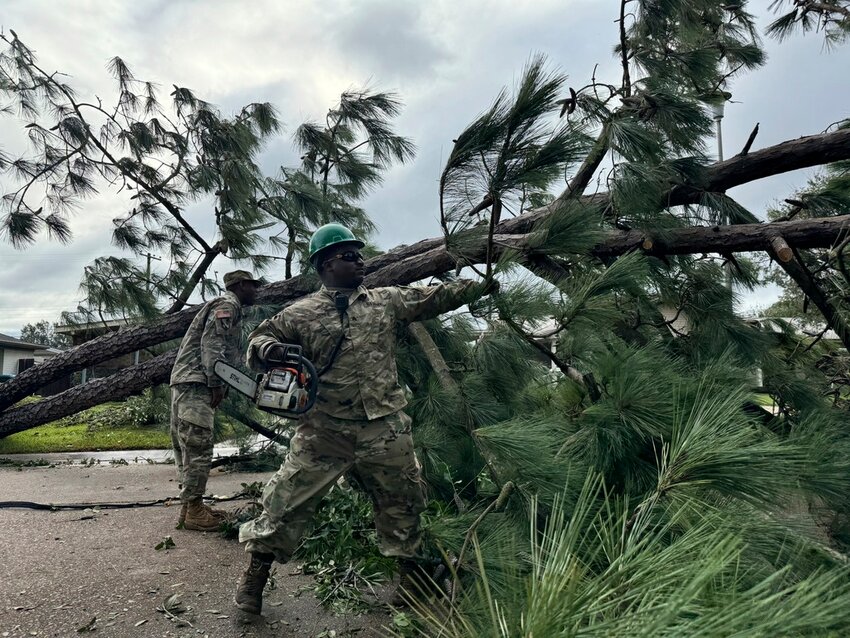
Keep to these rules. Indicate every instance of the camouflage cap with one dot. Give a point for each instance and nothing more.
(236, 276)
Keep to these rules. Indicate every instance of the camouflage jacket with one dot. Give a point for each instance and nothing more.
(363, 381)
(214, 334)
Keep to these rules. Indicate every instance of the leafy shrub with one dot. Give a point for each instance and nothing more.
(341, 550)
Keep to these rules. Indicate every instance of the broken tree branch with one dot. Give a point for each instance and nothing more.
(749, 143)
(197, 275)
(587, 170)
(802, 276)
(434, 356)
(428, 257)
(574, 374)
(781, 249)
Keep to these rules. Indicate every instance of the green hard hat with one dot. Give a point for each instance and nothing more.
(331, 235)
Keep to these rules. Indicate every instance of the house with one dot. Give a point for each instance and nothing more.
(80, 333)
(14, 351)
(16, 356)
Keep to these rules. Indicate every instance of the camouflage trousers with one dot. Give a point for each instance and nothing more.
(324, 448)
(192, 437)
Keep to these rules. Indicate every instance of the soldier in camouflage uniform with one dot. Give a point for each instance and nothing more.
(349, 332)
(196, 392)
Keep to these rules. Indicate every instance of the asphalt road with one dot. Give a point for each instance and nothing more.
(61, 572)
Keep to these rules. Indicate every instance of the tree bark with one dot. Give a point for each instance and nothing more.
(434, 356)
(821, 232)
(572, 373)
(587, 170)
(406, 264)
(804, 152)
(120, 385)
(200, 271)
(789, 260)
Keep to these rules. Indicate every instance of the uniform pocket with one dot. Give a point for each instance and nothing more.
(193, 405)
(382, 329)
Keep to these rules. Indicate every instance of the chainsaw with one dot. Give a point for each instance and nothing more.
(287, 389)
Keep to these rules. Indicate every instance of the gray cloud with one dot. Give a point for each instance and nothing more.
(388, 40)
(446, 59)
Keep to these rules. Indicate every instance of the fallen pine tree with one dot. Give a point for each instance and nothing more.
(427, 258)
(822, 232)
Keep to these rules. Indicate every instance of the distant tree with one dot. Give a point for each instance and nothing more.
(44, 332)
(166, 158)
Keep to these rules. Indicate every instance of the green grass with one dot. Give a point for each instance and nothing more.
(139, 423)
(78, 438)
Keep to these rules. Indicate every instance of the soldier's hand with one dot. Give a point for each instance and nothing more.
(218, 393)
(277, 353)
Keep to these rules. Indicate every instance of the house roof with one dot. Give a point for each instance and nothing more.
(11, 342)
(92, 326)
(48, 352)
(800, 327)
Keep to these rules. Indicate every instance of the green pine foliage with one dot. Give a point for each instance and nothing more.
(831, 17)
(631, 479)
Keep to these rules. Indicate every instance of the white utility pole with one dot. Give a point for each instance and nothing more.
(717, 110)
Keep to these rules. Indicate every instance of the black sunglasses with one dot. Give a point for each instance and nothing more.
(348, 255)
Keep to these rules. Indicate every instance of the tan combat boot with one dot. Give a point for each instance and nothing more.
(182, 519)
(201, 518)
(249, 595)
(220, 514)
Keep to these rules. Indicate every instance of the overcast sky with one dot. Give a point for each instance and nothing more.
(447, 60)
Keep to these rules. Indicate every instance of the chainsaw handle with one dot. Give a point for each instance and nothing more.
(313, 386)
(291, 356)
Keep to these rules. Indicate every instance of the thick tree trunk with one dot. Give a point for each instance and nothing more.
(426, 258)
(120, 385)
(810, 233)
(807, 233)
(127, 340)
(813, 150)
(822, 232)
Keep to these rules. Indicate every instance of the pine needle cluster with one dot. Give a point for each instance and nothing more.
(661, 466)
